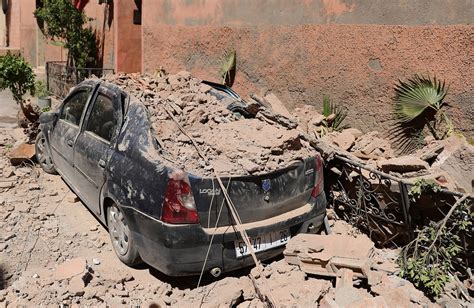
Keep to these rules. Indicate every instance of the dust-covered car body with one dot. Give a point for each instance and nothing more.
(156, 211)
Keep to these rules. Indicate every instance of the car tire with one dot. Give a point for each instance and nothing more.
(43, 154)
(120, 236)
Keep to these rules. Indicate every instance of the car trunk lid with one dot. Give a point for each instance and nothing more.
(255, 197)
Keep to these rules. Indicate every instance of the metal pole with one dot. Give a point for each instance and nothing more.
(406, 209)
(47, 77)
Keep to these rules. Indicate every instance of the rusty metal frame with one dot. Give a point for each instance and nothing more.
(376, 202)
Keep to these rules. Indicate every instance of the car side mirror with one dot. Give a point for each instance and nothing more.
(46, 117)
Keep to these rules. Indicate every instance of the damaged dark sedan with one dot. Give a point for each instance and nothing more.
(102, 143)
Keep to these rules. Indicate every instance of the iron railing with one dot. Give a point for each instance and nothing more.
(379, 203)
(60, 78)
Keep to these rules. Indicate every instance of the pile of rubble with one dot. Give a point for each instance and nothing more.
(446, 162)
(47, 258)
(234, 144)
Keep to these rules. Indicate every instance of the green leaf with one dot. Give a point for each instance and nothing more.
(415, 107)
(57, 43)
(416, 95)
(326, 106)
(66, 27)
(228, 67)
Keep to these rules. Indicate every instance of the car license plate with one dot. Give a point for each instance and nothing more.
(263, 242)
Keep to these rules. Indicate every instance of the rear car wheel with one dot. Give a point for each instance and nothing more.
(43, 155)
(122, 242)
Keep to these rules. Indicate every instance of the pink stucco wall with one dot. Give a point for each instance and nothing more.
(128, 38)
(103, 23)
(25, 34)
(14, 23)
(303, 49)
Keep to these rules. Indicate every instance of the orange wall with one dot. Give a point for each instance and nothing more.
(103, 24)
(14, 24)
(119, 40)
(25, 34)
(128, 38)
(352, 50)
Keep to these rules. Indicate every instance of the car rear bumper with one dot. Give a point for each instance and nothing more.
(180, 250)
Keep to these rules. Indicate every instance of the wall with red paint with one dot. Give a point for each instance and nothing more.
(352, 50)
(128, 38)
(103, 23)
(25, 34)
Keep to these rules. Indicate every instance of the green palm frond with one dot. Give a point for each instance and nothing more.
(416, 106)
(228, 67)
(416, 95)
(340, 114)
(326, 106)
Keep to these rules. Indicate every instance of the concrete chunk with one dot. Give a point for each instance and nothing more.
(354, 131)
(71, 268)
(344, 140)
(404, 164)
(22, 153)
(277, 105)
(328, 254)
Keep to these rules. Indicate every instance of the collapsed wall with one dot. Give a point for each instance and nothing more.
(234, 144)
(447, 162)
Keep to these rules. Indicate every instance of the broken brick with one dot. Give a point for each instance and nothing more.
(24, 153)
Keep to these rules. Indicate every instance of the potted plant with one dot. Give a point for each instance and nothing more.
(44, 101)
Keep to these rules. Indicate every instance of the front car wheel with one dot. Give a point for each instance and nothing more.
(43, 154)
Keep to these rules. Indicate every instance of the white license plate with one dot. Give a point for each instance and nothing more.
(263, 242)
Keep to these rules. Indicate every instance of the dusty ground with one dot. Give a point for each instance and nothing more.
(53, 251)
(8, 110)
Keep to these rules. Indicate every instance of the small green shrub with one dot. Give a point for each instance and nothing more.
(17, 75)
(40, 89)
(422, 186)
(433, 258)
(334, 117)
(66, 25)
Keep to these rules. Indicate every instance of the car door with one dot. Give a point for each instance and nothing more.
(66, 129)
(95, 144)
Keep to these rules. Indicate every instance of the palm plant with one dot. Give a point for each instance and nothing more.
(228, 67)
(334, 115)
(417, 105)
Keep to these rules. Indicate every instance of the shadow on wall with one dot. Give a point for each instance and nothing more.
(108, 18)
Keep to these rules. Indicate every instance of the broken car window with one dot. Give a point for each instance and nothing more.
(102, 121)
(73, 108)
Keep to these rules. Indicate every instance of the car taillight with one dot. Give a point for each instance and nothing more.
(318, 177)
(179, 206)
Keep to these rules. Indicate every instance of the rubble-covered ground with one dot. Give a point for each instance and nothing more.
(54, 251)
